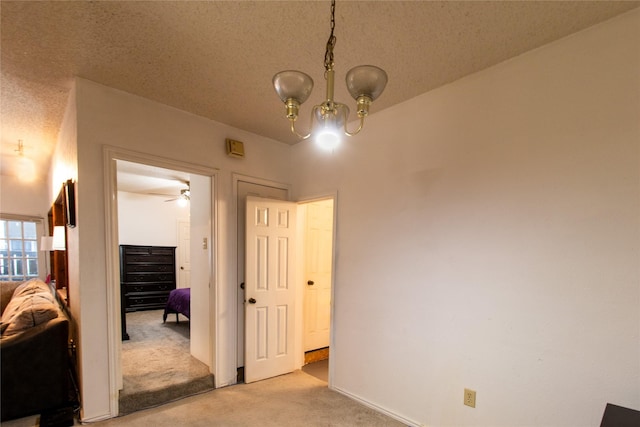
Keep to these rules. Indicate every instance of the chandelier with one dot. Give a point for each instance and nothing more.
(329, 119)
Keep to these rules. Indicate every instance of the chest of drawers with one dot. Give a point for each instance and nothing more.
(147, 276)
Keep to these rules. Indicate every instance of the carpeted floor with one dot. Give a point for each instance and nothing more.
(295, 399)
(156, 364)
(292, 400)
(319, 369)
(301, 398)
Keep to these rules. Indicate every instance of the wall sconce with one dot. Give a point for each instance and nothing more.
(26, 169)
(59, 240)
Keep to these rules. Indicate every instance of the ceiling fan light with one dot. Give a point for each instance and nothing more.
(294, 85)
(366, 80)
(182, 200)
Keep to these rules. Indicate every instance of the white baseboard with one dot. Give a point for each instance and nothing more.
(97, 418)
(377, 408)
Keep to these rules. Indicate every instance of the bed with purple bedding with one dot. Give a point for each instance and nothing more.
(179, 302)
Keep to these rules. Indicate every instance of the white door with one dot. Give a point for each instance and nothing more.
(269, 288)
(318, 244)
(248, 189)
(184, 253)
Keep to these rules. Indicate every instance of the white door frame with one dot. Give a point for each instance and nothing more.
(180, 252)
(110, 156)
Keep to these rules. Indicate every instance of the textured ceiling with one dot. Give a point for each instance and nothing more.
(216, 58)
(151, 180)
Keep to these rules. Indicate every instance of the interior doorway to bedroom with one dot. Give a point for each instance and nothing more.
(159, 212)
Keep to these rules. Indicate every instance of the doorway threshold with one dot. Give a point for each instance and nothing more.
(316, 355)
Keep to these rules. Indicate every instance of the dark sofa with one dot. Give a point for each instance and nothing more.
(35, 362)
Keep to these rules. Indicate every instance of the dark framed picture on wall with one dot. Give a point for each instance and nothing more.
(70, 202)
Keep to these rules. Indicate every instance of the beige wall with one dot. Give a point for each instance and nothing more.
(117, 119)
(148, 220)
(487, 238)
(24, 198)
(487, 234)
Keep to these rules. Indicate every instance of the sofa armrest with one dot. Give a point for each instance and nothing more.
(6, 292)
(35, 369)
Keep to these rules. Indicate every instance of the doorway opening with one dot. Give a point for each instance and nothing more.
(318, 219)
(154, 222)
(245, 187)
(144, 216)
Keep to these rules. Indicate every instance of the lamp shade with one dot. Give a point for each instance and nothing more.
(59, 239)
(329, 127)
(293, 85)
(366, 80)
(46, 243)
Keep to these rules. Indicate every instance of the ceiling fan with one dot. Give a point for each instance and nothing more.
(184, 197)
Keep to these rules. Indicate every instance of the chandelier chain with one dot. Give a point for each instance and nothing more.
(328, 56)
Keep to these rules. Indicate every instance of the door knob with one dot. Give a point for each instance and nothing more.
(252, 301)
(181, 268)
(310, 282)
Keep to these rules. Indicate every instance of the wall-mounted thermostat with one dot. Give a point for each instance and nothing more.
(235, 148)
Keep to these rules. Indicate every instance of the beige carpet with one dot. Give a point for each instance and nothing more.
(319, 370)
(156, 364)
(292, 400)
(295, 399)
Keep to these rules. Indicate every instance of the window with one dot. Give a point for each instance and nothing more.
(19, 257)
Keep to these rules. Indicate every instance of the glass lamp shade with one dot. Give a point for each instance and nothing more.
(367, 80)
(328, 139)
(293, 85)
(329, 128)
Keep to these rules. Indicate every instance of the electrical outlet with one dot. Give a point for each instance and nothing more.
(470, 397)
